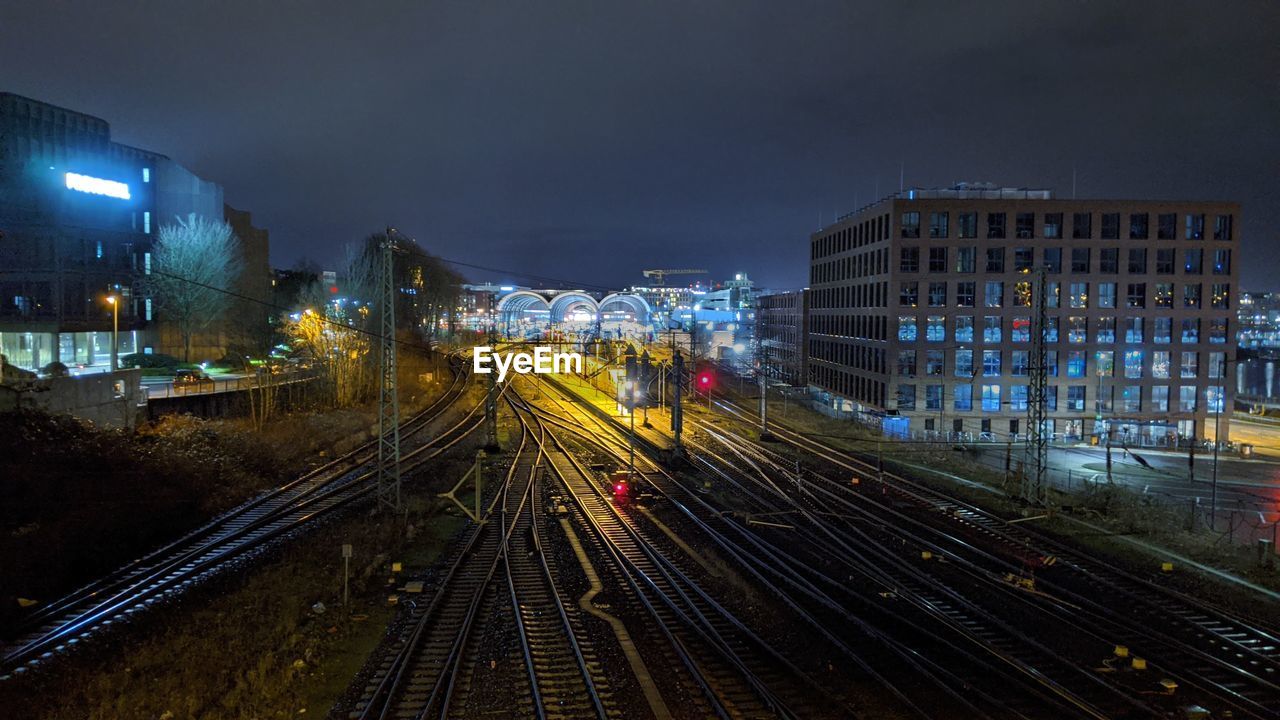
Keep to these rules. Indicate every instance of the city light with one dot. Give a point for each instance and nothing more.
(97, 186)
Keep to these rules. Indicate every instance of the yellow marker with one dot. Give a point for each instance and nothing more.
(1122, 651)
(395, 567)
(1166, 567)
(1139, 663)
(926, 555)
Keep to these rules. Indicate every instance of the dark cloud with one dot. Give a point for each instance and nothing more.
(592, 140)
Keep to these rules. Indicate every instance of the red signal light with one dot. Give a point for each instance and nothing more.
(705, 380)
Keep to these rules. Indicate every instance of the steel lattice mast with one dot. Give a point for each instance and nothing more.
(1033, 487)
(388, 398)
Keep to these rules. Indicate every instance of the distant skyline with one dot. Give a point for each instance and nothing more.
(589, 141)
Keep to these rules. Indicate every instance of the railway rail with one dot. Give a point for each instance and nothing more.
(994, 693)
(226, 541)
(739, 673)
(1233, 661)
(501, 565)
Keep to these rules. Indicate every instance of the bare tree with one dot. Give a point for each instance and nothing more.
(196, 263)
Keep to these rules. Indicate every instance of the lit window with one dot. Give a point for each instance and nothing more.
(1160, 398)
(936, 328)
(1075, 363)
(993, 294)
(1131, 399)
(146, 221)
(1190, 365)
(1020, 329)
(991, 398)
(1104, 363)
(1187, 398)
(1106, 333)
(962, 397)
(991, 329)
(964, 328)
(1190, 331)
(1018, 397)
(1020, 363)
(991, 363)
(1133, 330)
(146, 175)
(907, 328)
(1163, 333)
(1160, 364)
(1133, 363)
(1213, 397)
(1077, 330)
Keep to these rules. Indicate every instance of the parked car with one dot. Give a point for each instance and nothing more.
(193, 380)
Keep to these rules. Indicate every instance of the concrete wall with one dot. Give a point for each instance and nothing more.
(108, 399)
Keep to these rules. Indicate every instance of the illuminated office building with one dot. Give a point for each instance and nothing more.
(78, 213)
(920, 313)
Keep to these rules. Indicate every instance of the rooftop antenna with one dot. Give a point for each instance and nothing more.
(902, 174)
(1073, 181)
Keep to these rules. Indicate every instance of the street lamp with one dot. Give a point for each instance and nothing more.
(115, 331)
(1217, 414)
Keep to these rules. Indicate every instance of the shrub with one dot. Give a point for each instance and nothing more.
(154, 360)
(55, 369)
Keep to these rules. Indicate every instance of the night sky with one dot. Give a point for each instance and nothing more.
(588, 141)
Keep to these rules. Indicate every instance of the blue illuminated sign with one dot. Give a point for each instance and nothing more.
(97, 186)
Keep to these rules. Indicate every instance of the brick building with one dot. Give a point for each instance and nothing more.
(921, 309)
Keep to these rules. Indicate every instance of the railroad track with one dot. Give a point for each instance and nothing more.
(1014, 687)
(738, 673)
(1232, 661)
(227, 541)
(499, 575)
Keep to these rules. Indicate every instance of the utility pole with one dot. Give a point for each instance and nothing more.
(491, 401)
(1033, 487)
(632, 388)
(388, 397)
(677, 412)
(645, 376)
(761, 360)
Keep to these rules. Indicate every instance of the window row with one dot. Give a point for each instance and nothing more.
(863, 327)
(992, 398)
(855, 236)
(1134, 364)
(1078, 260)
(1105, 330)
(964, 293)
(865, 264)
(1051, 225)
(848, 384)
(856, 295)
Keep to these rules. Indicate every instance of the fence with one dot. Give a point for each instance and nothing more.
(213, 386)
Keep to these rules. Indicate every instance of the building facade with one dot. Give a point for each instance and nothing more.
(78, 216)
(1259, 321)
(782, 332)
(921, 312)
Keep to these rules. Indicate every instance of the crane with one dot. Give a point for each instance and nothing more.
(659, 276)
